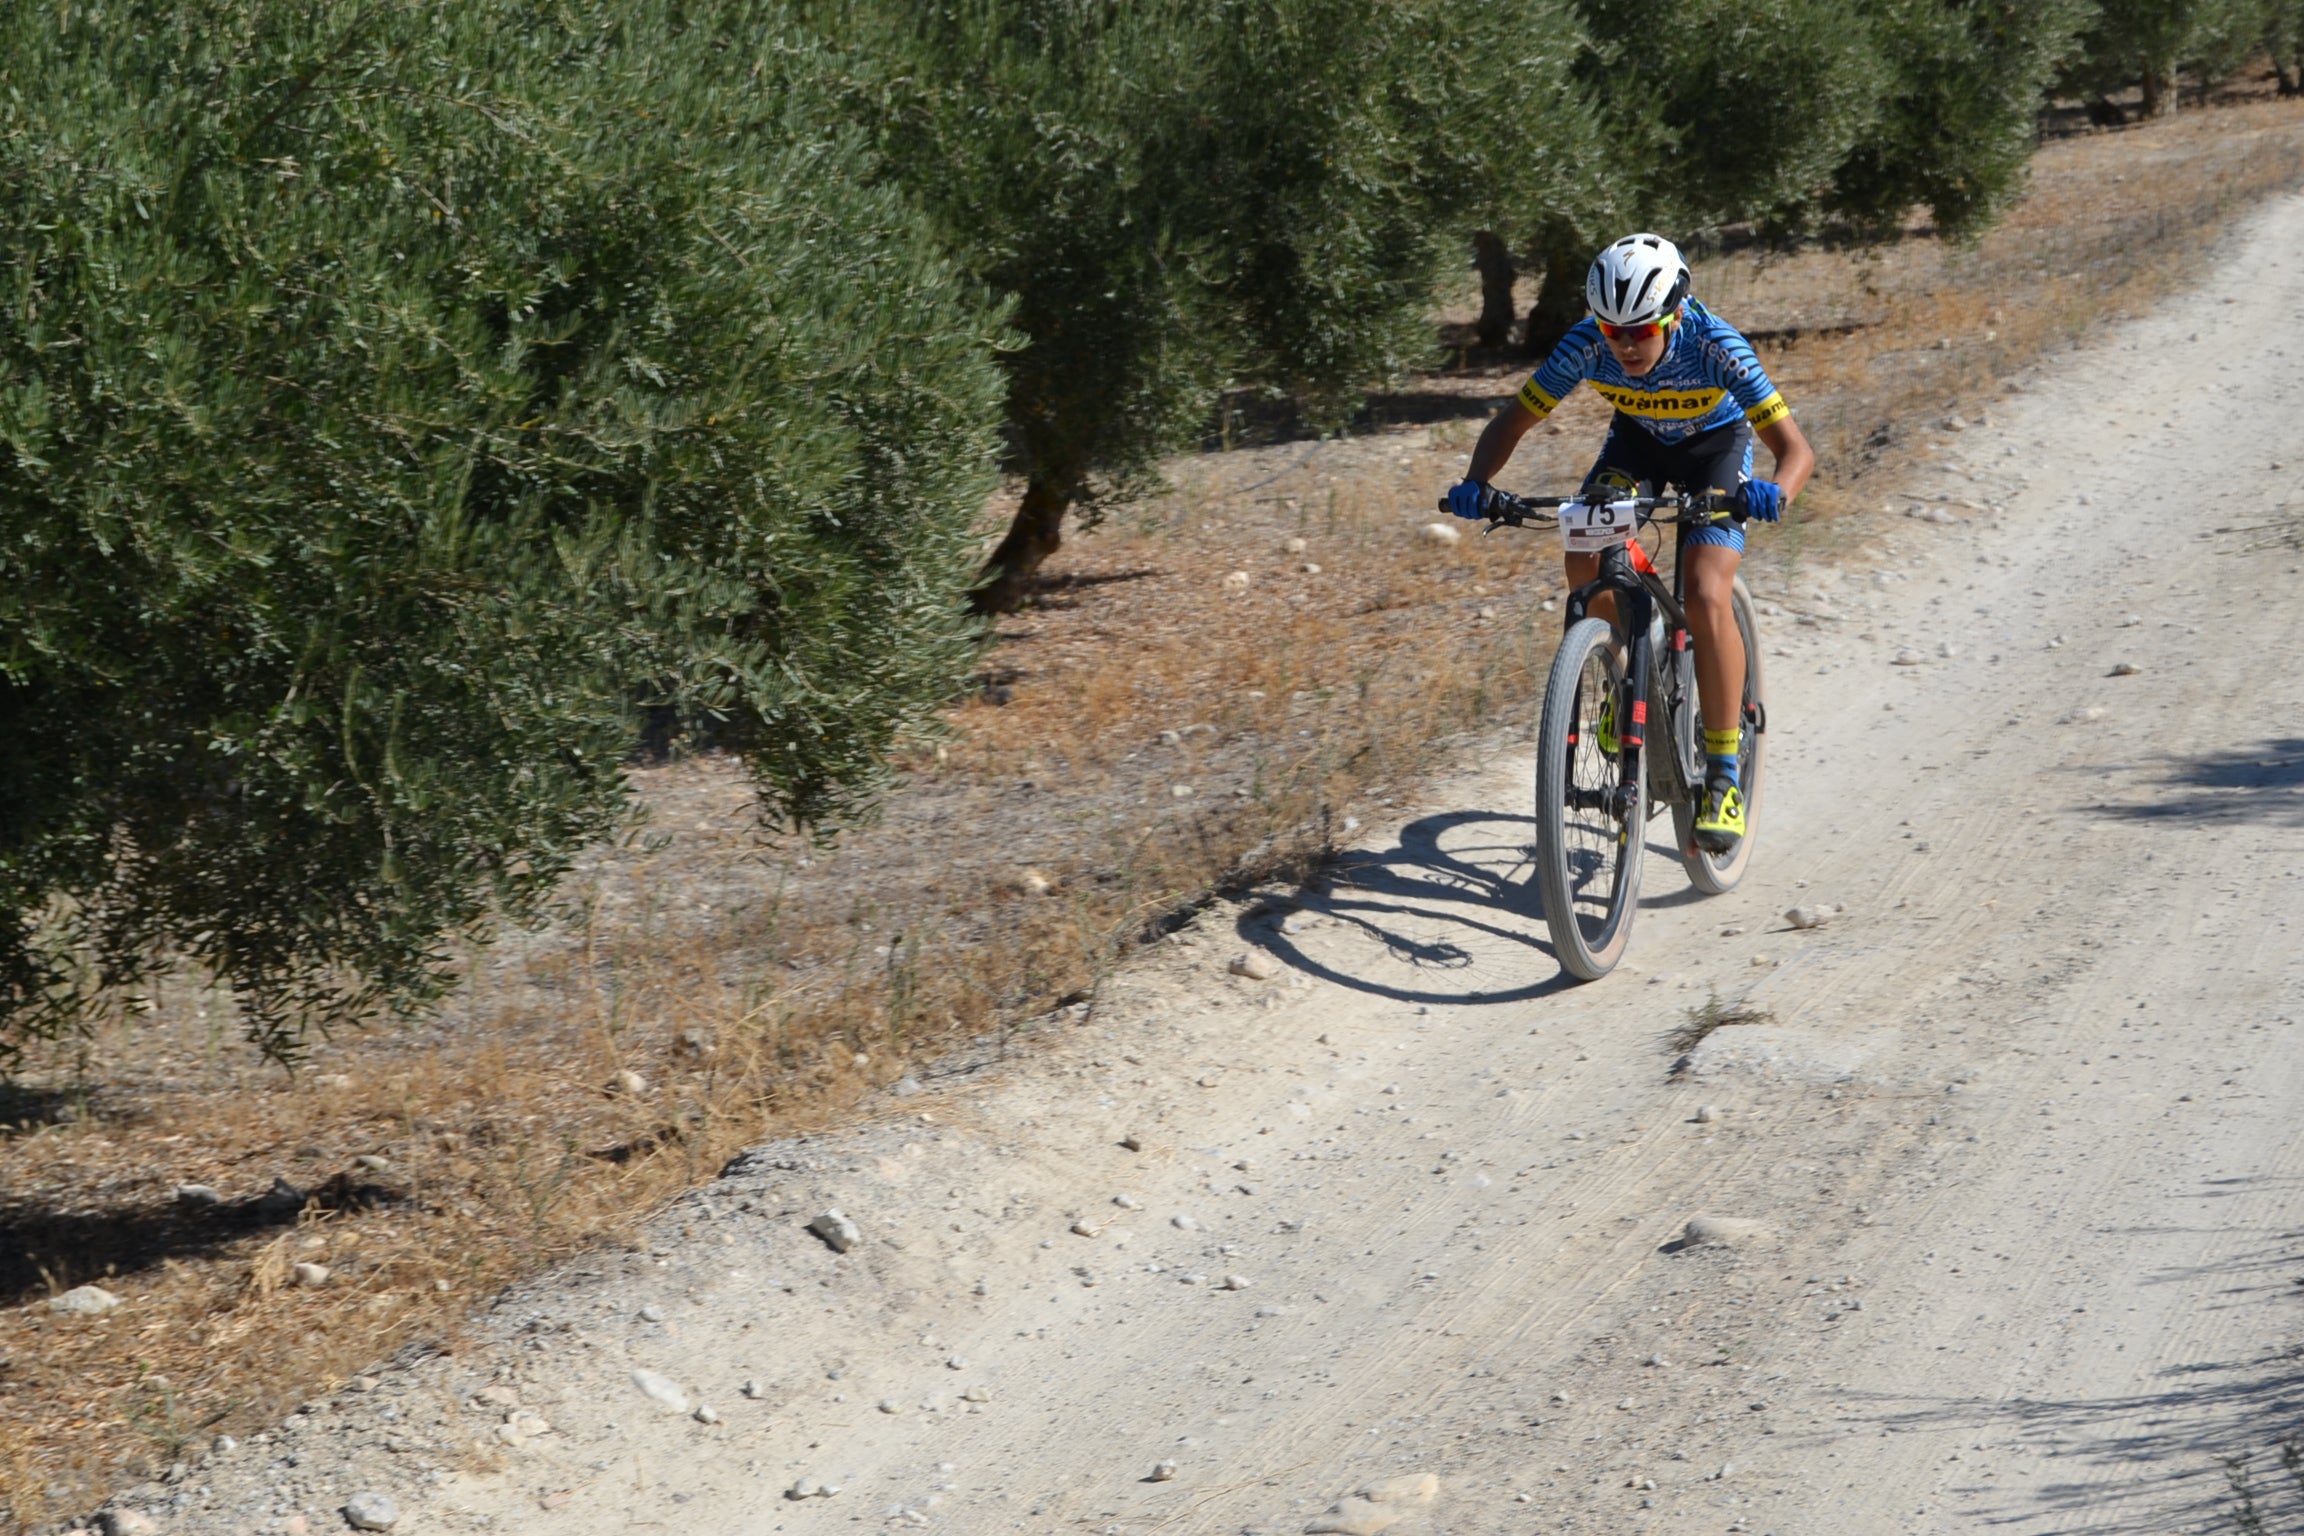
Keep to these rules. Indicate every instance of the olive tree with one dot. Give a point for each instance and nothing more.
(391, 399)
(1959, 118)
(1183, 197)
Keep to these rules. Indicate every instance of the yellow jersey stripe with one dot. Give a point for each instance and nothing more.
(1663, 404)
(1536, 400)
(1768, 412)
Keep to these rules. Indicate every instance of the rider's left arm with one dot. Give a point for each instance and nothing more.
(1795, 460)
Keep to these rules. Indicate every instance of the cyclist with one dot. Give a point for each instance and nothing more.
(1689, 395)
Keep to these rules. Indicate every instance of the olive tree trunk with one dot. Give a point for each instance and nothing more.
(1494, 260)
(1560, 301)
(1036, 533)
(2160, 95)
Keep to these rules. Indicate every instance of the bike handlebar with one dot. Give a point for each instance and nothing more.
(1508, 510)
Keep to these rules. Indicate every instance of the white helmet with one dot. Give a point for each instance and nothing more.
(1639, 278)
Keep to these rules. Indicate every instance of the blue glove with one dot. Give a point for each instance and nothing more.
(1761, 500)
(1469, 498)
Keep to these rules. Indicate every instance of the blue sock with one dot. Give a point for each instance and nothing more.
(1720, 753)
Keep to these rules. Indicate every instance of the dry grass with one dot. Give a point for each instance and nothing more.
(1713, 1013)
(762, 989)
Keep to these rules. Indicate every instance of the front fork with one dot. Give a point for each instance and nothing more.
(1636, 617)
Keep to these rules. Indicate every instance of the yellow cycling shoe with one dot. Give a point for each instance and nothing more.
(1720, 825)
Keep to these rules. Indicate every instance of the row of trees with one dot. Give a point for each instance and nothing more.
(396, 399)
(2150, 45)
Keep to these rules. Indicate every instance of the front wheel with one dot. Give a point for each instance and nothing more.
(1589, 819)
(1716, 873)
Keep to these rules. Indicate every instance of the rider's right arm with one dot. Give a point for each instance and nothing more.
(1498, 439)
(1568, 365)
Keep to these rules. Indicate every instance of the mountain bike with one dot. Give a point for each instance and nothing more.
(1592, 808)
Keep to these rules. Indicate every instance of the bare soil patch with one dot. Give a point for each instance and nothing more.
(1198, 699)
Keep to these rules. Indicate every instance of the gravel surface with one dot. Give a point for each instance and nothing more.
(1989, 1224)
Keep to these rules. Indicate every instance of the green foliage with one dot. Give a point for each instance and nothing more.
(388, 395)
(1959, 118)
(1731, 111)
(1188, 196)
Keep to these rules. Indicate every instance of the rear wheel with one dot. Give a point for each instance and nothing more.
(1714, 873)
(1589, 821)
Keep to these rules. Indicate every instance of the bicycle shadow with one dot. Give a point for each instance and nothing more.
(1454, 901)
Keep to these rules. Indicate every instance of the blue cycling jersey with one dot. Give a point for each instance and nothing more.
(1707, 377)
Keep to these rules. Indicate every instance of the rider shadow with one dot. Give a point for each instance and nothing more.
(1452, 900)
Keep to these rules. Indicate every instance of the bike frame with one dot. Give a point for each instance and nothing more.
(1642, 595)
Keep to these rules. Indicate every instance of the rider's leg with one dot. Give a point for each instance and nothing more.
(1584, 568)
(1623, 468)
(1709, 585)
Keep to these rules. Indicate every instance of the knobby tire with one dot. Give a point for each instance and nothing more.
(1587, 861)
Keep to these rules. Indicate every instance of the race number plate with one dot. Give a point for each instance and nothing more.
(1587, 530)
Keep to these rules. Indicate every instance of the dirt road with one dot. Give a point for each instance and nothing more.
(2018, 1149)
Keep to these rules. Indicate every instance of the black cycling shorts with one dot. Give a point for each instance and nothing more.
(1633, 459)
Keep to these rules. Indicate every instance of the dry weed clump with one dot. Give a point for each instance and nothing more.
(1211, 688)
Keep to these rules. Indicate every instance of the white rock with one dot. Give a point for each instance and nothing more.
(651, 1314)
(1184, 1223)
(1086, 1228)
(1907, 657)
(197, 1197)
(126, 1522)
(1255, 965)
(84, 1301)
(811, 1488)
(627, 1083)
(1162, 1471)
(526, 1424)
(976, 1395)
(1807, 917)
(662, 1388)
(2125, 669)
(1311, 568)
(1235, 1283)
(891, 1406)
(755, 1389)
(371, 1512)
(1127, 1202)
(369, 1162)
(838, 1232)
(1296, 546)
(1707, 1113)
(1439, 536)
(1034, 883)
(1236, 582)
(707, 1414)
(1947, 648)
(955, 1362)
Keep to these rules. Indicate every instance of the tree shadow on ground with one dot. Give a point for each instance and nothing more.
(2261, 783)
(2144, 1462)
(43, 1251)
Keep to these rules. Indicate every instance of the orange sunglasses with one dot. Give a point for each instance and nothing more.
(1640, 332)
